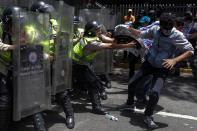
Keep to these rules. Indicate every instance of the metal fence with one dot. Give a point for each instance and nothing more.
(121, 10)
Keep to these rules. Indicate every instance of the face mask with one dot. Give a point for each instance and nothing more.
(187, 24)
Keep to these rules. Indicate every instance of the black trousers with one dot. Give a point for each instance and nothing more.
(5, 103)
(132, 62)
(82, 74)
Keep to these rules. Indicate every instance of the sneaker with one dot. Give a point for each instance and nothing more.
(150, 122)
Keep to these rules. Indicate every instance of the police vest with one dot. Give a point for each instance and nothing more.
(34, 37)
(54, 30)
(5, 56)
(78, 51)
(1, 30)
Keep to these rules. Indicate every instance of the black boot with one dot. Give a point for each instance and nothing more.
(99, 110)
(96, 104)
(38, 122)
(70, 122)
(103, 95)
(64, 99)
(5, 120)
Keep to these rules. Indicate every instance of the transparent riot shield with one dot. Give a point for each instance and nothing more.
(104, 58)
(109, 22)
(62, 64)
(31, 93)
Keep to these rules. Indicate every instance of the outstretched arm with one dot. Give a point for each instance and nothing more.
(97, 46)
(118, 46)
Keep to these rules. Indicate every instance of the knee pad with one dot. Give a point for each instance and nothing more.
(5, 102)
(62, 95)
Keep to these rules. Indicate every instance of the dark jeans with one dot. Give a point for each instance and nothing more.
(159, 75)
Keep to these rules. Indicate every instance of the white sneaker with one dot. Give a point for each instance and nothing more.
(150, 122)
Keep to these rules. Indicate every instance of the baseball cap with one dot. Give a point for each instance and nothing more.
(145, 19)
(130, 10)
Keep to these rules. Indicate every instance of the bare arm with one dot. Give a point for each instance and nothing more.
(106, 39)
(97, 46)
(118, 46)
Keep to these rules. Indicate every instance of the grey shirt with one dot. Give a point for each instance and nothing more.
(164, 47)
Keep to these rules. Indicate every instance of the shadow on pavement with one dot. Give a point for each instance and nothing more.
(181, 88)
(138, 120)
(50, 118)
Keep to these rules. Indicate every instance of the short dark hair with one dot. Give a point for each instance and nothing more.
(167, 20)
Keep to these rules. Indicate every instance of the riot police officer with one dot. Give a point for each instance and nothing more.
(83, 54)
(62, 98)
(6, 73)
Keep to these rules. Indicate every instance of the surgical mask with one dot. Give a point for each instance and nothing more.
(188, 24)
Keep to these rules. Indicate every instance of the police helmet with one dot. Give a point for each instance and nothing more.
(167, 21)
(42, 7)
(91, 28)
(7, 16)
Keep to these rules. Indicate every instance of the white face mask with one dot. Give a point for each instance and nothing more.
(187, 24)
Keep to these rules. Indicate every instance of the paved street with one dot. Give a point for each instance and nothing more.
(176, 111)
